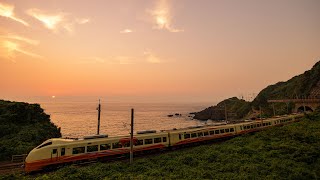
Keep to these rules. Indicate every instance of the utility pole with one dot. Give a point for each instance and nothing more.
(260, 113)
(99, 111)
(131, 137)
(225, 112)
(274, 111)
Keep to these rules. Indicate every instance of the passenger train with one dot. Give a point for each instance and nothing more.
(61, 151)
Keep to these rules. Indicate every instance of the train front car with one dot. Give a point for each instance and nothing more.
(44, 155)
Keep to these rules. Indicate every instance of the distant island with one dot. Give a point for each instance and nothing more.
(306, 85)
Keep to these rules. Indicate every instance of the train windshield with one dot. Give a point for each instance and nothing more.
(44, 144)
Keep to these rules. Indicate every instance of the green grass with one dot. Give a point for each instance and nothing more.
(288, 152)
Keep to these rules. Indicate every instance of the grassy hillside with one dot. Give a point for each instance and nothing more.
(23, 126)
(288, 152)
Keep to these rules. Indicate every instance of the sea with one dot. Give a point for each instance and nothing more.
(78, 117)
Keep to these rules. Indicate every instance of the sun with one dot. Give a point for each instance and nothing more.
(53, 97)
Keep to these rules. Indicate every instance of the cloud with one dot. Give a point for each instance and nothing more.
(12, 44)
(6, 10)
(162, 17)
(123, 60)
(13, 47)
(57, 21)
(126, 31)
(82, 21)
(151, 58)
(22, 39)
(91, 60)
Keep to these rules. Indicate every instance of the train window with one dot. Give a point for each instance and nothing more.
(206, 133)
(217, 132)
(54, 151)
(186, 136)
(157, 140)
(232, 130)
(221, 131)
(105, 147)
(139, 142)
(200, 134)
(193, 135)
(93, 148)
(211, 132)
(264, 124)
(251, 126)
(78, 150)
(258, 125)
(63, 151)
(179, 136)
(116, 145)
(43, 145)
(148, 141)
(227, 130)
(248, 127)
(164, 139)
(126, 144)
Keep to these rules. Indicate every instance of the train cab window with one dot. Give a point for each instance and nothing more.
(217, 132)
(105, 147)
(148, 141)
(78, 150)
(116, 145)
(231, 129)
(54, 151)
(157, 140)
(139, 142)
(221, 131)
(206, 133)
(211, 132)
(93, 148)
(200, 134)
(43, 145)
(186, 136)
(164, 139)
(227, 130)
(63, 151)
(193, 135)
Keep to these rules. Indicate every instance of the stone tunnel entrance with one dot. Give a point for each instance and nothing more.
(301, 109)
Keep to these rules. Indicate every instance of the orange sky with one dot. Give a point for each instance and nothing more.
(181, 49)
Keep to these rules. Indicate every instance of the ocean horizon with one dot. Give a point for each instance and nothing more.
(77, 116)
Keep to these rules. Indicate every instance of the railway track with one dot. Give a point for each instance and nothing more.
(10, 167)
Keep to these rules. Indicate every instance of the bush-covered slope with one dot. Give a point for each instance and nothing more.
(22, 127)
(300, 86)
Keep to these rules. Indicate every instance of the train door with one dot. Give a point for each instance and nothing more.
(62, 152)
(54, 154)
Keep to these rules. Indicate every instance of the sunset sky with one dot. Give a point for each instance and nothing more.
(174, 50)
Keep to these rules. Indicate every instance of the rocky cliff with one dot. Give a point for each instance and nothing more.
(306, 85)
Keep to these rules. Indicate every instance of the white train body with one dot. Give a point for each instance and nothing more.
(59, 151)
